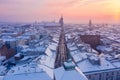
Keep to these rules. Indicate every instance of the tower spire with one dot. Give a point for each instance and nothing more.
(61, 21)
(90, 24)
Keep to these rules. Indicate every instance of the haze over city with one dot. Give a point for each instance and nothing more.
(74, 11)
(59, 39)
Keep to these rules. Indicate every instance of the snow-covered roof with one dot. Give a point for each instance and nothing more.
(18, 55)
(62, 74)
(81, 58)
(1, 77)
(49, 52)
(47, 61)
(48, 70)
(51, 24)
(2, 70)
(9, 39)
(27, 72)
(55, 39)
(86, 66)
(39, 49)
(23, 37)
(104, 48)
(2, 58)
(28, 76)
(72, 48)
(53, 46)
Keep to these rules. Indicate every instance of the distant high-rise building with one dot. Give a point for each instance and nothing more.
(90, 25)
(61, 21)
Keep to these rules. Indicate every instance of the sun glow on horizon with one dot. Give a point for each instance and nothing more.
(115, 8)
(73, 10)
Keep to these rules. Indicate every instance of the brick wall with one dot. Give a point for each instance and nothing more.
(4, 51)
(93, 40)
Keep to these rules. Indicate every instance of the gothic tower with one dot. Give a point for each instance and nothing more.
(61, 21)
(90, 25)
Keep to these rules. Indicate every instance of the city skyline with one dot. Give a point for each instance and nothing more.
(74, 11)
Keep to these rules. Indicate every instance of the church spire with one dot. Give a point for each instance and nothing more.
(90, 24)
(61, 21)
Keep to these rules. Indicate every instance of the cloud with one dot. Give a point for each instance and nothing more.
(71, 3)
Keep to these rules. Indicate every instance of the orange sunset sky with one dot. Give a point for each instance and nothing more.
(74, 11)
